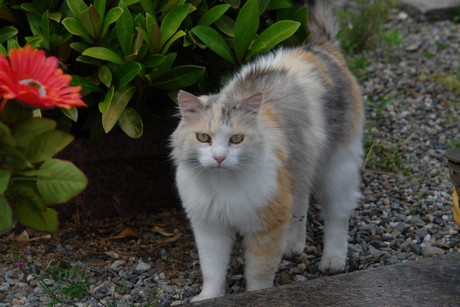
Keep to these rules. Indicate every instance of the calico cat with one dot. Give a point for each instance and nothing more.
(248, 158)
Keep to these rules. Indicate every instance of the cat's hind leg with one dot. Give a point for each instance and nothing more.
(338, 193)
(214, 244)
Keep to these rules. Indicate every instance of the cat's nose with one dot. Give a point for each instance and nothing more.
(219, 159)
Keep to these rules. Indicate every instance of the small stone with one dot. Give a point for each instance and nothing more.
(142, 266)
(429, 251)
(116, 265)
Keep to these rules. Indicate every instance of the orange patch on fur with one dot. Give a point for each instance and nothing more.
(309, 57)
(269, 117)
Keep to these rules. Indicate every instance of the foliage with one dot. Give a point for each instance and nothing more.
(31, 180)
(359, 25)
(128, 54)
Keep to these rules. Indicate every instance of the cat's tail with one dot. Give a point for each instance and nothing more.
(321, 22)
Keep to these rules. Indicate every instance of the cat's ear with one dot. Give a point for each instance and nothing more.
(252, 103)
(188, 104)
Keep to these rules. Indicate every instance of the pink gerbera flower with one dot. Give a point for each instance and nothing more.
(30, 77)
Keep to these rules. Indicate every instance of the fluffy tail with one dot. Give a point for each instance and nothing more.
(321, 22)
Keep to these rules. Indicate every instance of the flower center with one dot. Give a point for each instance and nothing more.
(34, 83)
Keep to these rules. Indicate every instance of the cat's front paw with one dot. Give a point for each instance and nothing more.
(293, 250)
(199, 298)
(332, 264)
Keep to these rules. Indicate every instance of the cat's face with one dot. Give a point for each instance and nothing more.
(215, 135)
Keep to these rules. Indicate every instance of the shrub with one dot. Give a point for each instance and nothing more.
(120, 50)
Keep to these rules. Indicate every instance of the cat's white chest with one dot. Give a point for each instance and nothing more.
(231, 201)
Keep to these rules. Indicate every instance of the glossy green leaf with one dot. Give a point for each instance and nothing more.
(164, 67)
(127, 73)
(77, 6)
(112, 16)
(104, 105)
(148, 6)
(35, 42)
(226, 25)
(4, 180)
(234, 3)
(175, 37)
(47, 145)
(125, 29)
(74, 26)
(172, 22)
(7, 32)
(91, 22)
(279, 4)
(179, 77)
(273, 35)
(246, 26)
(45, 26)
(103, 53)
(116, 107)
(100, 7)
(153, 60)
(6, 215)
(131, 123)
(71, 113)
(86, 85)
(60, 181)
(214, 41)
(213, 15)
(30, 129)
(105, 75)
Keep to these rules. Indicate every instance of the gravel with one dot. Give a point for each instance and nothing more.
(405, 214)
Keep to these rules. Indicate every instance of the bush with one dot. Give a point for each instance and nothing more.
(120, 50)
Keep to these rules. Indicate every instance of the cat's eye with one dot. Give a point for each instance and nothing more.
(237, 138)
(203, 137)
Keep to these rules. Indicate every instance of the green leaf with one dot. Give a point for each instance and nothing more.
(26, 192)
(86, 85)
(179, 77)
(273, 35)
(102, 53)
(112, 16)
(131, 123)
(226, 25)
(214, 41)
(6, 215)
(71, 113)
(4, 180)
(105, 75)
(153, 60)
(164, 67)
(91, 22)
(104, 105)
(234, 3)
(60, 181)
(45, 26)
(30, 129)
(74, 26)
(213, 15)
(127, 73)
(47, 144)
(246, 26)
(279, 4)
(116, 107)
(100, 7)
(7, 32)
(30, 216)
(148, 7)
(172, 22)
(125, 29)
(77, 6)
(175, 37)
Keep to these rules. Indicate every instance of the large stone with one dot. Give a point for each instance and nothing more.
(433, 8)
(428, 282)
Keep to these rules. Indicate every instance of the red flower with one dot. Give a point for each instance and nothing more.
(32, 78)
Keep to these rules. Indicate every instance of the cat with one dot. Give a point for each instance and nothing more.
(247, 159)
